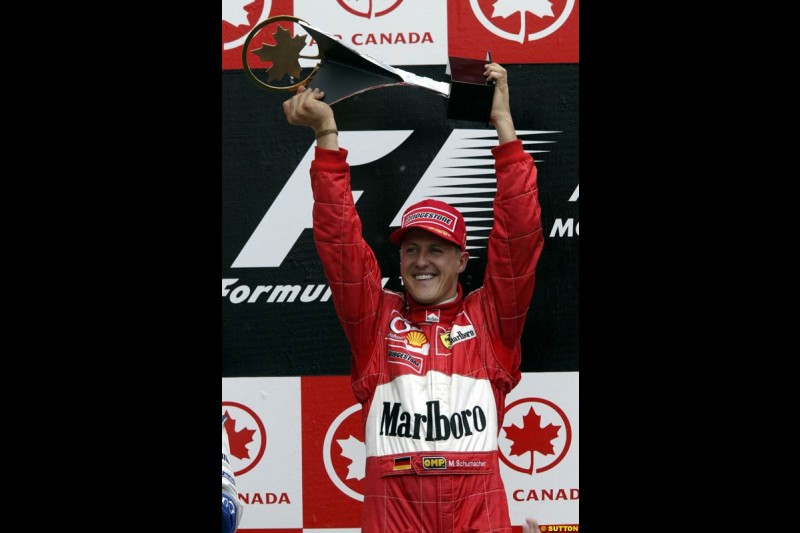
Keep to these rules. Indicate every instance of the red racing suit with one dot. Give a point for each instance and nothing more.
(432, 380)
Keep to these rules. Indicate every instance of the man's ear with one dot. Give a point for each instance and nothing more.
(462, 261)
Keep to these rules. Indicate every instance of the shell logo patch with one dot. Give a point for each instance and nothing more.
(416, 338)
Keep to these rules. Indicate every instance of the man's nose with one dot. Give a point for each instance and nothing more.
(422, 258)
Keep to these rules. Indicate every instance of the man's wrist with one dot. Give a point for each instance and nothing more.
(326, 131)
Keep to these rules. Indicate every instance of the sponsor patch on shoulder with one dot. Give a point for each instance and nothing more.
(462, 333)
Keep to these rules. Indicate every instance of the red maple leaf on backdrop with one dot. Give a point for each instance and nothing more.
(531, 437)
(238, 439)
(516, 31)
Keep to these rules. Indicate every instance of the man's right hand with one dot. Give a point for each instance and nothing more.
(306, 108)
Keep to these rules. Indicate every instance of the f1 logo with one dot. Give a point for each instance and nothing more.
(290, 213)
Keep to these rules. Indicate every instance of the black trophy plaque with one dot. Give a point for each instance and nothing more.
(470, 94)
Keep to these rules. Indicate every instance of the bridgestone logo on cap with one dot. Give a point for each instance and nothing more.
(436, 217)
(429, 215)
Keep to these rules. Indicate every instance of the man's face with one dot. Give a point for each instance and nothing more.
(429, 266)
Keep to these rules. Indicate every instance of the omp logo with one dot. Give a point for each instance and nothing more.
(461, 173)
(370, 8)
(516, 11)
(434, 463)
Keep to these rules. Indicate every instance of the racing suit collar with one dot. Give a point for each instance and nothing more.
(443, 312)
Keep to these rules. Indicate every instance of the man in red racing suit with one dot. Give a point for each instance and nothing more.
(430, 368)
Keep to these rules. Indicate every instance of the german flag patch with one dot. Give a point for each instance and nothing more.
(402, 463)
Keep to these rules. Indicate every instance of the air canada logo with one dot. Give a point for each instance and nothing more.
(246, 435)
(344, 453)
(369, 8)
(241, 16)
(522, 20)
(537, 433)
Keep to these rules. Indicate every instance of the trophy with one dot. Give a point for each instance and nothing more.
(344, 71)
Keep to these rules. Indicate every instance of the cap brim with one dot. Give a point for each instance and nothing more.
(397, 235)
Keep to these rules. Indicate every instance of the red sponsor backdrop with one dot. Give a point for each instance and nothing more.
(326, 505)
(515, 31)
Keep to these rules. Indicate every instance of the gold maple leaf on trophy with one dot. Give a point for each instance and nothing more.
(284, 55)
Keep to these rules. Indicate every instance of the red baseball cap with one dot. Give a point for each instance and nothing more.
(437, 217)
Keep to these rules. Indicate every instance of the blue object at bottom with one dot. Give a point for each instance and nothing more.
(228, 514)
